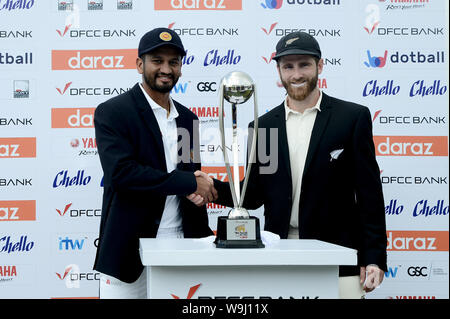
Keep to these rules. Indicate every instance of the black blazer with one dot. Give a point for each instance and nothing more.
(341, 200)
(136, 182)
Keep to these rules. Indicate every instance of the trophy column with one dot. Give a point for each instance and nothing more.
(238, 229)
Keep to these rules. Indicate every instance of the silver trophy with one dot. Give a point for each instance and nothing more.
(238, 229)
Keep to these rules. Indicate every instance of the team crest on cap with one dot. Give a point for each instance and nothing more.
(165, 36)
(288, 42)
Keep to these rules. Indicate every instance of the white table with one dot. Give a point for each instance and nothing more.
(195, 268)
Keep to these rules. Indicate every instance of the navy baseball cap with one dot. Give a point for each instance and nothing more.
(297, 43)
(159, 37)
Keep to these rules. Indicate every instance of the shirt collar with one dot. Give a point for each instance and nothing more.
(288, 110)
(156, 107)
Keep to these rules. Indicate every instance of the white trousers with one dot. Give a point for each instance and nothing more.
(349, 286)
(113, 288)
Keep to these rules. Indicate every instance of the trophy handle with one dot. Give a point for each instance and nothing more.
(253, 147)
(224, 150)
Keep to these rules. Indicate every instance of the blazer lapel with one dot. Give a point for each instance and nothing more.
(150, 121)
(319, 127)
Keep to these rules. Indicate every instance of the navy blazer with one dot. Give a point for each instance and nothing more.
(136, 182)
(341, 199)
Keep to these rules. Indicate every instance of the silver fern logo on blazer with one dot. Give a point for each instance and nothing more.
(335, 154)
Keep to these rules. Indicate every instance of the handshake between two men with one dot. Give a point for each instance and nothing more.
(205, 192)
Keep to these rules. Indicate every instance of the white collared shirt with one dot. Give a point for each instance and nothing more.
(171, 216)
(298, 129)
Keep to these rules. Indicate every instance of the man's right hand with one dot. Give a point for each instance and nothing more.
(205, 187)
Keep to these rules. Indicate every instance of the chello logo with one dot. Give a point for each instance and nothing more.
(73, 117)
(198, 4)
(213, 57)
(64, 179)
(16, 4)
(411, 145)
(15, 147)
(94, 59)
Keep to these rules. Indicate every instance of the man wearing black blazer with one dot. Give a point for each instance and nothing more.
(149, 151)
(322, 180)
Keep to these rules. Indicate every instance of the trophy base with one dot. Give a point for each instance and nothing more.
(238, 233)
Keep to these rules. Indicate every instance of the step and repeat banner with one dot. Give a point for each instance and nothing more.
(60, 59)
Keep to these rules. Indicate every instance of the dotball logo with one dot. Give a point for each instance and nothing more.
(17, 210)
(411, 145)
(73, 117)
(122, 59)
(198, 4)
(16, 147)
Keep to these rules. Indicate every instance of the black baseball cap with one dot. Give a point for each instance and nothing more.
(159, 37)
(297, 43)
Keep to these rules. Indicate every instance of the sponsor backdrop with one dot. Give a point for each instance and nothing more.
(60, 59)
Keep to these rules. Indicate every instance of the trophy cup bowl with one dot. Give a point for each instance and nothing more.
(238, 87)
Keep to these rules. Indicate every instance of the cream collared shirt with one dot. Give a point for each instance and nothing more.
(298, 128)
(171, 216)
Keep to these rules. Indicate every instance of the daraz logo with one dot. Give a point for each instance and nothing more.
(191, 292)
(198, 4)
(118, 59)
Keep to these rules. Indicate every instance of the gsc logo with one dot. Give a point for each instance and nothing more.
(418, 271)
(207, 86)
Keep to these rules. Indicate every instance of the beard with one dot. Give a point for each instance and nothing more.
(301, 93)
(164, 88)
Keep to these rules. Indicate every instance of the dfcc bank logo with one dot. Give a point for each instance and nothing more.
(198, 4)
(191, 292)
(73, 117)
(270, 58)
(16, 147)
(120, 59)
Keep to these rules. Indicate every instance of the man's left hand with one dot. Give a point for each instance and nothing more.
(371, 276)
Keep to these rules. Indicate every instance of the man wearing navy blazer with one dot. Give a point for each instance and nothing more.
(149, 151)
(320, 179)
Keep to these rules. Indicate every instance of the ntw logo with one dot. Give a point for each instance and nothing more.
(70, 244)
(191, 292)
(392, 272)
(180, 88)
